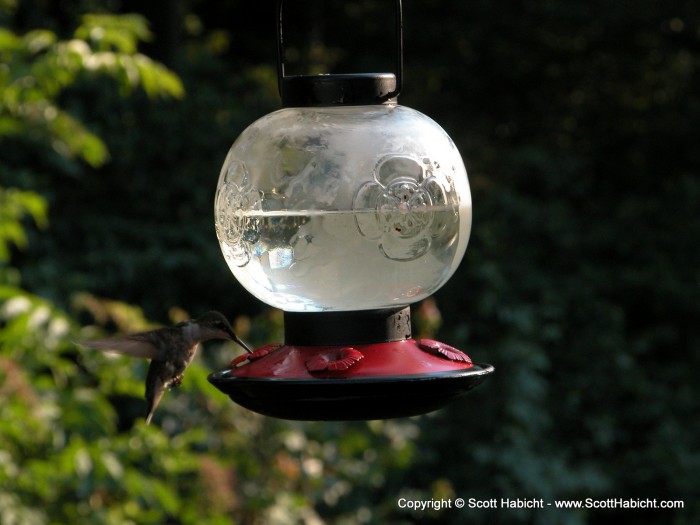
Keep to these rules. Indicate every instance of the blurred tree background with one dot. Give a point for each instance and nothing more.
(578, 122)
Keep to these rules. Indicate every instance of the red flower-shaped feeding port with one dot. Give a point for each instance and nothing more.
(334, 360)
(257, 354)
(442, 350)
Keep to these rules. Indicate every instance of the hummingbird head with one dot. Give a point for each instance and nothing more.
(213, 325)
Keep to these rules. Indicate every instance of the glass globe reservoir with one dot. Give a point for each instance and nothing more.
(343, 208)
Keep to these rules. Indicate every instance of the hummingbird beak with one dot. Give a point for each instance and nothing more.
(238, 340)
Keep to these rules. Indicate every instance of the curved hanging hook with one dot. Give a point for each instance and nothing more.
(399, 47)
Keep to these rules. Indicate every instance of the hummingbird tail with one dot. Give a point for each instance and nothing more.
(154, 389)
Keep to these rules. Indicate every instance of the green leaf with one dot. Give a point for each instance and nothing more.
(156, 79)
(14, 206)
(8, 40)
(114, 32)
(38, 40)
(71, 138)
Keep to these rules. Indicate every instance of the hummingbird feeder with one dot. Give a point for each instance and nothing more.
(342, 209)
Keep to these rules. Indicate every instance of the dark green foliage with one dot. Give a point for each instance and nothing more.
(578, 124)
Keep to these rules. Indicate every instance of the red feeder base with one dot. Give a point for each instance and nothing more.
(358, 382)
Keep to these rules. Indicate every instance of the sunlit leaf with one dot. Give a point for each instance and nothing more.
(38, 40)
(114, 32)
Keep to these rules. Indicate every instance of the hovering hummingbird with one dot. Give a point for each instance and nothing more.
(170, 349)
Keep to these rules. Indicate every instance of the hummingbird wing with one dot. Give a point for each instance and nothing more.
(136, 345)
